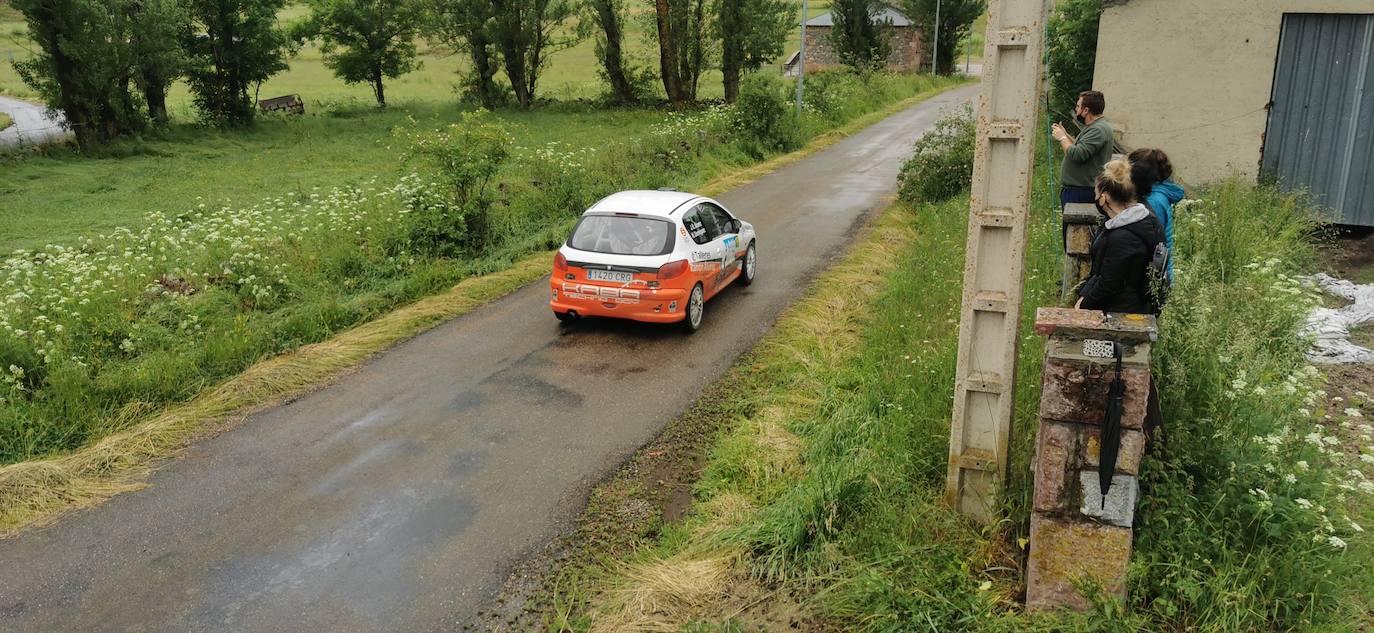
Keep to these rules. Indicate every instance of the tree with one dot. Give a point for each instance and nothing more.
(364, 41)
(859, 39)
(157, 28)
(83, 65)
(667, 52)
(525, 32)
(682, 28)
(608, 17)
(752, 33)
(1073, 53)
(235, 45)
(465, 25)
(956, 19)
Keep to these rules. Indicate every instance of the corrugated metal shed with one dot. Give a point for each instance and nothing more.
(1321, 124)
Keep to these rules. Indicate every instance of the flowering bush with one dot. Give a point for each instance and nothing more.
(941, 165)
(1252, 506)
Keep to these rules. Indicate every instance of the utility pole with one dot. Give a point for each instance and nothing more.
(994, 261)
(801, 59)
(935, 49)
(968, 54)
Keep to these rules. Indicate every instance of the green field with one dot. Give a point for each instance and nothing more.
(59, 196)
(56, 196)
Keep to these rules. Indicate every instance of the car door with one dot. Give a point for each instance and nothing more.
(705, 250)
(731, 250)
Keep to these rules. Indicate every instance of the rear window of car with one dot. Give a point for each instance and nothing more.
(622, 235)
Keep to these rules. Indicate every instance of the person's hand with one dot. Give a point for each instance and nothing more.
(1057, 131)
(1079, 305)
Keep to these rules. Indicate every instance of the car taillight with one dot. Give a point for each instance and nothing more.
(560, 262)
(672, 269)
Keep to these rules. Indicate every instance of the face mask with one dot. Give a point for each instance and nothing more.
(1100, 209)
(1080, 119)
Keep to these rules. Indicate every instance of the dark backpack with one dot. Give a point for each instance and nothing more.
(1156, 270)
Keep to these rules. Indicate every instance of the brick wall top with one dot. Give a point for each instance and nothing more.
(1120, 327)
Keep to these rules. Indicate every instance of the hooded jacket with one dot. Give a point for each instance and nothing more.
(1163, 196)
(1121, 253)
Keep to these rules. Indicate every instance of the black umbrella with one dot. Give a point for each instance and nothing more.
(1111, 428)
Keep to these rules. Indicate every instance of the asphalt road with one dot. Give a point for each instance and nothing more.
(32, 125)
(401, 497)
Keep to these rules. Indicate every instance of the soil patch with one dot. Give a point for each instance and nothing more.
(1351, 254)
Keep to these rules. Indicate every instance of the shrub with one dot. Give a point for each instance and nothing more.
(464, 157)
(941, 166)
(764, 118)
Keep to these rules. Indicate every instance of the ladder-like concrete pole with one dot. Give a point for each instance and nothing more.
(994, 264)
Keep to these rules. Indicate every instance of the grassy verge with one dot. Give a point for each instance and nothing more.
(819, 503)
(229, 340)
(5, 121)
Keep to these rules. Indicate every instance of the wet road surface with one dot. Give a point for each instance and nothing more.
(399, 498)
(32, 125)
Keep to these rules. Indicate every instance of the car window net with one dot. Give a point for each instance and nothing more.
(620, 235)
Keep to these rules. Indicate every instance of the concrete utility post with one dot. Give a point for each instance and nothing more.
(935, 48)
(994, 264)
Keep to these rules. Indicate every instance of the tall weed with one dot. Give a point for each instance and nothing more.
(1250, 509)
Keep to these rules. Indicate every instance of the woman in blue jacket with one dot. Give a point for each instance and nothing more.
(1152, 174)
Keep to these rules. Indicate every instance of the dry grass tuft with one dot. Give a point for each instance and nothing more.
(36, 492)
(665, 594)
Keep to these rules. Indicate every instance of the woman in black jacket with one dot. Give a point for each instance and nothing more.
(1121, 253)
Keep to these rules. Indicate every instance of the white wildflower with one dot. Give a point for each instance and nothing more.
(1304, 503)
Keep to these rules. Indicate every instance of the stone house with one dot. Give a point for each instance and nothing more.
(906, 56)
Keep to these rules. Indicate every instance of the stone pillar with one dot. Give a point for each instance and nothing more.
(1073, 533)
(1081, 221)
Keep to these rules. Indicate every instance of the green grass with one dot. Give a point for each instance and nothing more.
(62, 195)
(5, 120)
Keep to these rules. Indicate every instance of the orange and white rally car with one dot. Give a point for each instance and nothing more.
(652, 256)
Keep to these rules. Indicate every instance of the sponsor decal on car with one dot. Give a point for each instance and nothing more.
(587, 292)
(703, 256)
(731, 242)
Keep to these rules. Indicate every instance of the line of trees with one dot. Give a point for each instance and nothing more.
(108, 64)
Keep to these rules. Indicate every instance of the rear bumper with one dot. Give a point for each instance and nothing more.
(662, 305)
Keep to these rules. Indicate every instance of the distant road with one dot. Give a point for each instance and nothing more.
(32, 125)
(400, 498)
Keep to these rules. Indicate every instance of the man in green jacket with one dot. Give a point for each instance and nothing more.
(1085, 155)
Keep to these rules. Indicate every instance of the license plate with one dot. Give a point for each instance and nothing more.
(610, 275)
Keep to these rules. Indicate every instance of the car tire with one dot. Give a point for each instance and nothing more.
(696, 309)
(750, 267)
